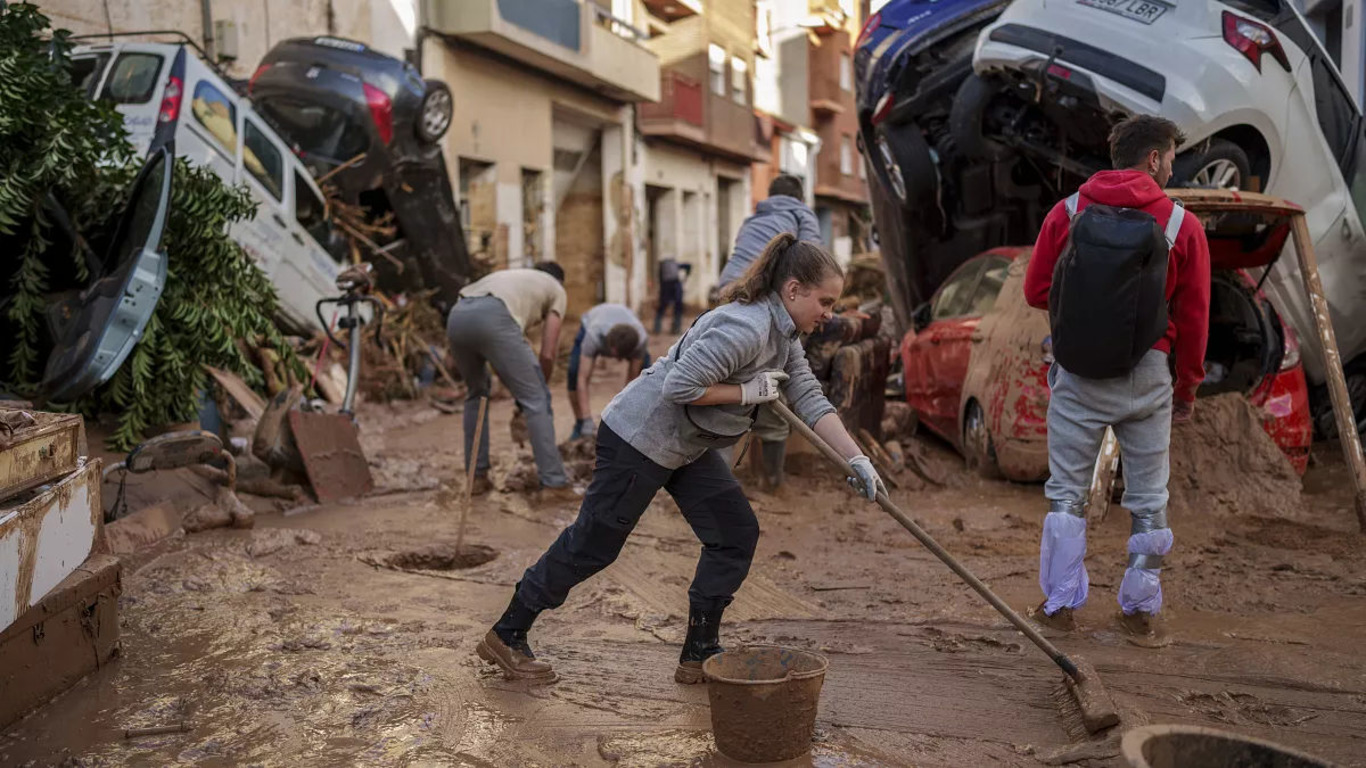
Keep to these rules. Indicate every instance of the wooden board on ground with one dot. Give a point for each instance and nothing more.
(238, 390)
(332, 455)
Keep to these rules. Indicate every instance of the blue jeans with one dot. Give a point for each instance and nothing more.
(670, 293)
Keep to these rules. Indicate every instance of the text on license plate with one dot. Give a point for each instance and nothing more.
(1146, 11)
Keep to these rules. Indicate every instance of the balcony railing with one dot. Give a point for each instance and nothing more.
(680, 98)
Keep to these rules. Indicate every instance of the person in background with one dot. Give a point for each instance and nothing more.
(672, 273)
(659, 432)
(784, 212)
(488, 327)
(607, 330)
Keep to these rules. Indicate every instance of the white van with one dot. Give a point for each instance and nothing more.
(166, 92)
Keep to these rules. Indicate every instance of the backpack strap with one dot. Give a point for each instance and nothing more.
(1071, 204)
(1174, 223)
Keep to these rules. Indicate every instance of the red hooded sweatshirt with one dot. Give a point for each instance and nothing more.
(1188, 269)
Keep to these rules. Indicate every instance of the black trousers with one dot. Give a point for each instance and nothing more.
(624, 483)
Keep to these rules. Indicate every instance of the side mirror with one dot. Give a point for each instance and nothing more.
(921, 316)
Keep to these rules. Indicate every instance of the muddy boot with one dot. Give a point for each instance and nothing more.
(481, 485)
(1143, 629)
(774, 458)
(1061, 620)
(702, 643)
(506, 645)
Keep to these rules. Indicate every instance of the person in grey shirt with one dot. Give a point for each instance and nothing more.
(782, 213)
(672, 273)
(607, 330)
(659, 432)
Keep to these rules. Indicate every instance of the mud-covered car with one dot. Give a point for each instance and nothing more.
(976, 361)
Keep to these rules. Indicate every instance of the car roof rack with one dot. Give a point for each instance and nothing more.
(184, 38)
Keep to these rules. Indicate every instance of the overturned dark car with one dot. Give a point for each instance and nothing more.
(371, 125)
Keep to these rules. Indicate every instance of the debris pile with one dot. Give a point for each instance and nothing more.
(1223, 461)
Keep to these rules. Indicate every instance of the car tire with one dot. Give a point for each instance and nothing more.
(978, 449)
(437, 110)
(905, 166)
(1217, 164)
(966, 117)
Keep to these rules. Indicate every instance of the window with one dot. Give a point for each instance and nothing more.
(325, 136)
(217, 114)
(739, 71)
(716, 62)
(310, 210)
(953, 297)
(1336, 111)
(846, 73)
(86, 71)
(846, 156)
(862, 169)
(133, 79)
(989, 286)
(263, 160)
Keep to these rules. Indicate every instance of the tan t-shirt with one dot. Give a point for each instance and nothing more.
(529, 294)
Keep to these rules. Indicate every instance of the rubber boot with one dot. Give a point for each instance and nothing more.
(506, 645)
(704, 628)
(774, 459)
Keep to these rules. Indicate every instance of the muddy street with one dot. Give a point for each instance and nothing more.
(344, 634)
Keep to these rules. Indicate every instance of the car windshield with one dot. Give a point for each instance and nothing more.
(320, 132)
(86, 71)
(133, 79)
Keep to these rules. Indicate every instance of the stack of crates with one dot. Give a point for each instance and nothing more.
(58, 597)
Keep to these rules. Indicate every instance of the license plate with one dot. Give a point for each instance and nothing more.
(1145, 11)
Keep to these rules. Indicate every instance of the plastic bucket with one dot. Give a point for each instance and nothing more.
(1183, 746)
(763, 701)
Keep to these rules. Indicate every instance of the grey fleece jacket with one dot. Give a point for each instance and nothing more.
(728, 345)
(771, 218)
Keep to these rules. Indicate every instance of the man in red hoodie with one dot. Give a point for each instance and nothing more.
(1141, 405)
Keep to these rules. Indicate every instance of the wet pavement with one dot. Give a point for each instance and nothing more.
(342, 634)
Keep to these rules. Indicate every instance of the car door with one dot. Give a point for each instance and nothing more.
(273, 243)
(929, 350)
(94, 333)
(311, 229)
(133, 82)
(210, 134)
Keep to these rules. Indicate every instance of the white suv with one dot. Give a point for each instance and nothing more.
(1261, 103)
(168, 95)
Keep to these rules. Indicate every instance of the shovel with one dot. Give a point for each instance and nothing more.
(1097, 708)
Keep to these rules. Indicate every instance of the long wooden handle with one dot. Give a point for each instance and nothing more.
(469, 474)
(919, 533)
(1332, 364)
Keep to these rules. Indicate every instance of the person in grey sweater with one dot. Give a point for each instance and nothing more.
(782, 212)
(659, 432)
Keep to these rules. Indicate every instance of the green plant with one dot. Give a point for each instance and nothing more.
(54, 140)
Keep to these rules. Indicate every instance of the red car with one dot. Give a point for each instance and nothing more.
(976, 362)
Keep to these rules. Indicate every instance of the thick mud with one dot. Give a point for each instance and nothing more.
(300, 642)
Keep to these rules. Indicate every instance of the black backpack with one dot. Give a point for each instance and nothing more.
(1108, 305)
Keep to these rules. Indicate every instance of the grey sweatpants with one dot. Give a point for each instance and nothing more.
(483, 333)
(1139, 409)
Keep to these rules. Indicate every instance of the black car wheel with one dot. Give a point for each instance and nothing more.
(905, 165)
(437, 109)
(967, 117)
(1217, 164)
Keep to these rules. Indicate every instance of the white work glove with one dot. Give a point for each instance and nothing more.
(865, 480)
(762, 388)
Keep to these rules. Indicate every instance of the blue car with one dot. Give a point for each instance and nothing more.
(934, 205)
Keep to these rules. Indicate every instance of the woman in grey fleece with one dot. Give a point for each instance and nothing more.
(660, 432)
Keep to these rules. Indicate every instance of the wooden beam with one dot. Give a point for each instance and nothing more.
(1332, 364)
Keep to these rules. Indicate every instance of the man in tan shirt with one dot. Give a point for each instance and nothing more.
(488, 326)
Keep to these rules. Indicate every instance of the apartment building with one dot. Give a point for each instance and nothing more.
(805, 86)
(699, 139)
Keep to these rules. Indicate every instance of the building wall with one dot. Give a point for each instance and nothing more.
(387, 25)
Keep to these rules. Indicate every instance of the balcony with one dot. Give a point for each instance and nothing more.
(689, 113)
(577, 41)
(827, 96)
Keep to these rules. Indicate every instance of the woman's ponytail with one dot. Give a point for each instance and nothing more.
(785, 257)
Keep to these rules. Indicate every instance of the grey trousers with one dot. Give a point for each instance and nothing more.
(483, 333)
(1139, 409)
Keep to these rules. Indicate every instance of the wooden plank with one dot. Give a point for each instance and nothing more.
(1332, 364)
(45, 451)
(238, 390)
